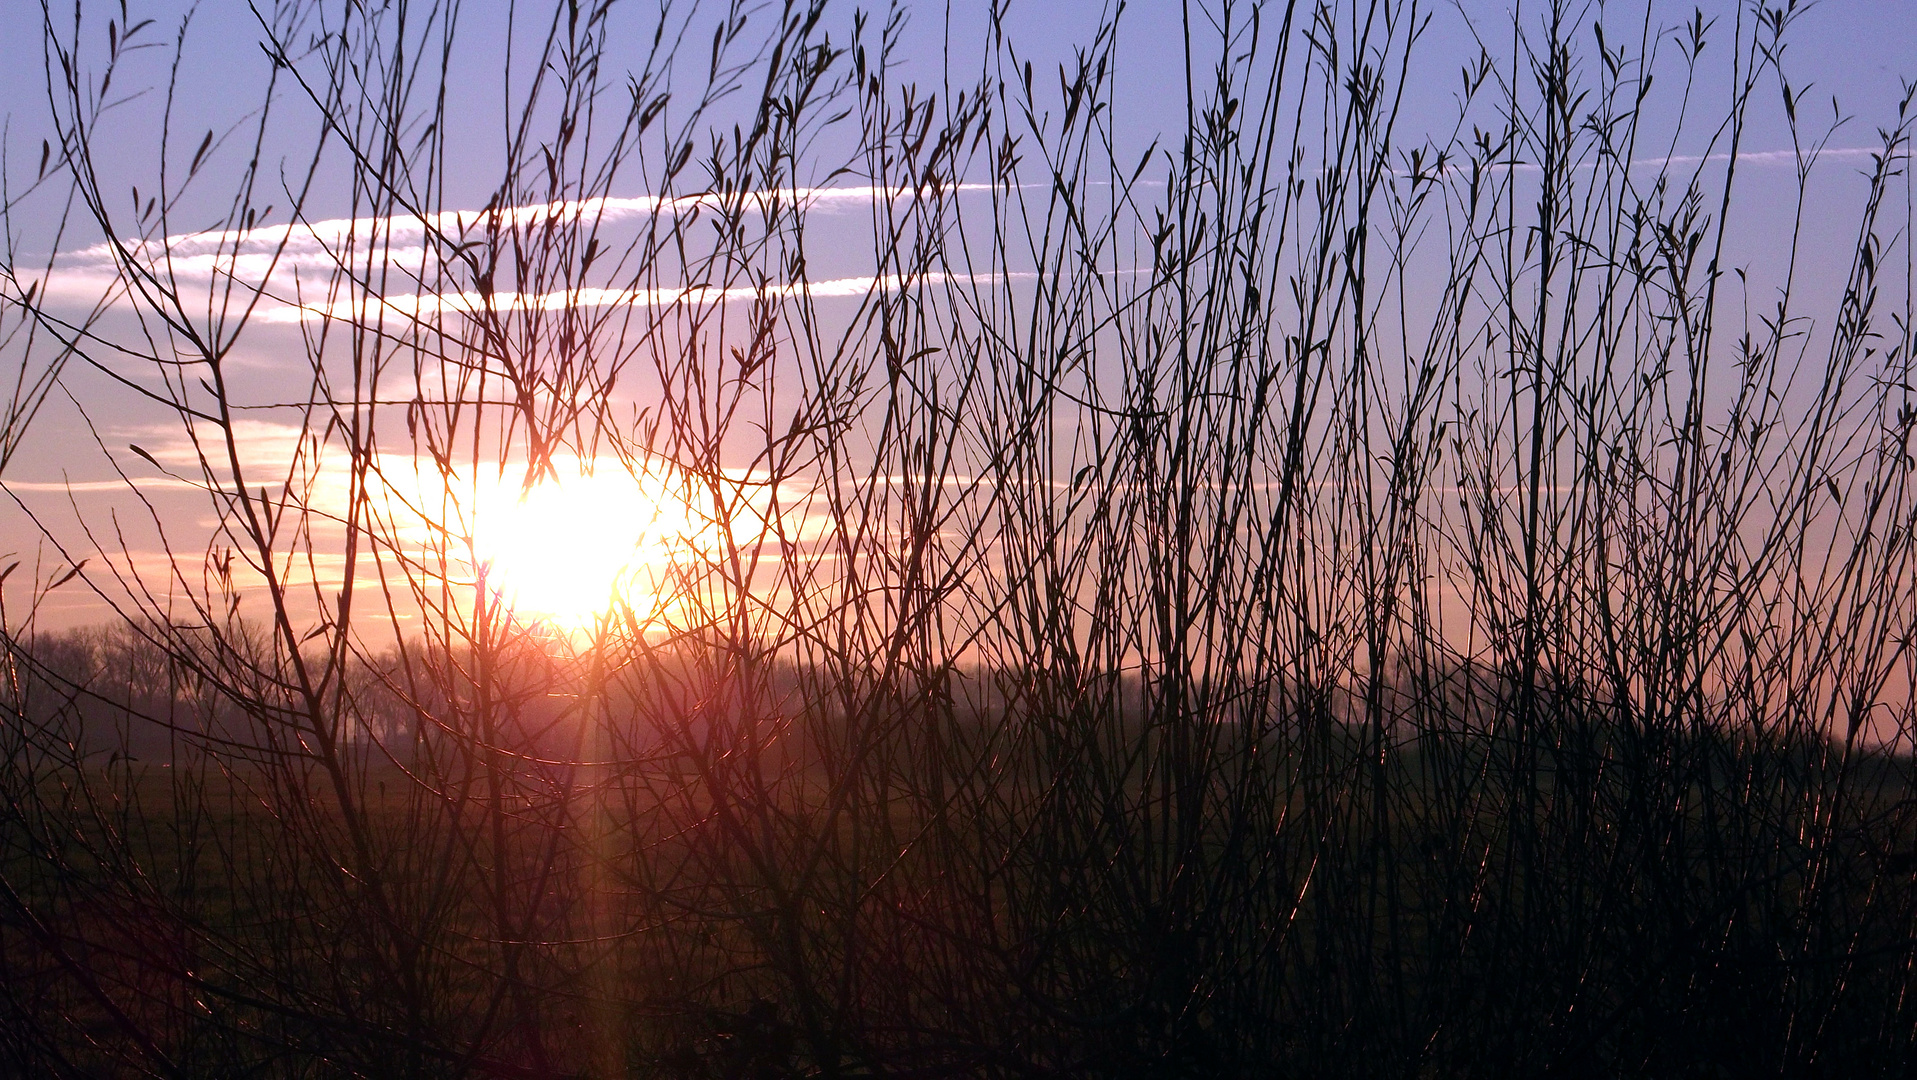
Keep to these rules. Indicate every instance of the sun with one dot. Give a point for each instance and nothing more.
(570, 549)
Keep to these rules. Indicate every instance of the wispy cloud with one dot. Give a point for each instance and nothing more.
(1767, 157)
(288, 263)
(293, 265)
(86, 487)
(410, 230)
(428, 305)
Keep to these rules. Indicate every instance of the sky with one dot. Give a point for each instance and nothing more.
(64, 473)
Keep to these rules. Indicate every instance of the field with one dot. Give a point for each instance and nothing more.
(1100, 892)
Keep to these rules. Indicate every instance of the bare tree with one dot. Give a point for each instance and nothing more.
(1308, 593)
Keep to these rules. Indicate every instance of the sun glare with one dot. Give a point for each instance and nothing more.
(563, 552)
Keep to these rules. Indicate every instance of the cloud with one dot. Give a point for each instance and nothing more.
(429, 305)
(411, 231)
(1762, 157)
(403, 238)
(87, 487)
(294, 265)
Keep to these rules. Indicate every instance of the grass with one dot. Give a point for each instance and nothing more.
(1664, 904)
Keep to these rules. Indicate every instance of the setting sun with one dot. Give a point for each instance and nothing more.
(564, 550)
